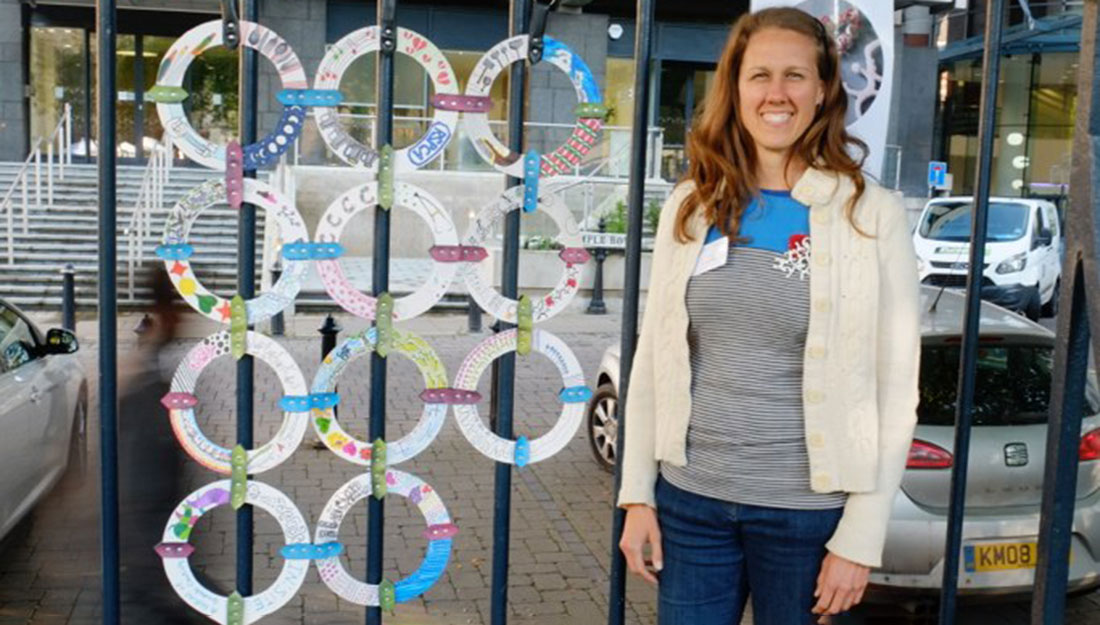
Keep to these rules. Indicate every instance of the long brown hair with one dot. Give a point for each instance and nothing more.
(720, 150)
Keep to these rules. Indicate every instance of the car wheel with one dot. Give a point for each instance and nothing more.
(1050, 309)
(603, 426)
(78, 440)
(1034, 308)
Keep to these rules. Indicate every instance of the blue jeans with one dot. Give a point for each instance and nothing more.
(717, 554)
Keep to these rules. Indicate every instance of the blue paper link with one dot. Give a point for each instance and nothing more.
(321, 401)
(431, 569)
(312, 251)
(575, 394)
(178, 251)
(531, 182)
(309, 551)
(302, 403)
(523, 451)
(310, 97)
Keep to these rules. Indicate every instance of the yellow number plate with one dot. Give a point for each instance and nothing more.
(1000, 556)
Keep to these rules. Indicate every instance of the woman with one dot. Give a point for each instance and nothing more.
(773, 395)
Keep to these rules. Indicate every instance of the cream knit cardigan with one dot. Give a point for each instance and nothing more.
(861, 359)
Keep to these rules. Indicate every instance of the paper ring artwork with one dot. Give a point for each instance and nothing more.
(177, 228)
(569, 235)
(363, 198)
(208, 453)
(471, 370)
(201, 598)
(365, 41)
(173, 117)
(431, 420)
(439, 531)
(586, 132)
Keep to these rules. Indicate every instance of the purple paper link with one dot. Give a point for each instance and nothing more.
(414, 495)
(449, 396)
(174, 550)
(462, 103)
(211, 498)
(441, 531)
(458, 253)
(234, 174)
(575, 255)
(176, 401)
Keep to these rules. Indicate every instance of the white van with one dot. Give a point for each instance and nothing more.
(1023, 254)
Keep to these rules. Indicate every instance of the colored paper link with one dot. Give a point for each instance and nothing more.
(387, 595)
(177, 251)
(385, 177)
(525, 325)
(462, 103)
(268, 149)
(234, 609)
(238, 327)
(523, 451)
(383, 325)
(575, 255)
(179, 401)
(315, 401)
(458, 253)
(174, 550)
(238, 485)
(309, 551)
(378, 483)
(166, 95)
(450, 396)
(234, 175)
(531, 182)
(575, 394)
(440, 532)
(590, 110)
(310, 97)
(312, 251)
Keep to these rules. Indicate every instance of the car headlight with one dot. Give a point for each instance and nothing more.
(1013, 264)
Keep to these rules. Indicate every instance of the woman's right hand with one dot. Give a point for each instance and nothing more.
(641, 528)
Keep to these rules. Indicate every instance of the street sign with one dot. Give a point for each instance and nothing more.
(607, 240)
(937, 174)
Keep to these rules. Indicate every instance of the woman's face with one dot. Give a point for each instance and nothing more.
(779, 88)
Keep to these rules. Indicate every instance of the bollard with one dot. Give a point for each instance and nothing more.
(68, 298)
(597, 305)
(329, 330)
(278, 327)
(473, 314)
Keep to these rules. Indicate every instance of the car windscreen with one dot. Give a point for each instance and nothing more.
(950, 221)
(1012, 386)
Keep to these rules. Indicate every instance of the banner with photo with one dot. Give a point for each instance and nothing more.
(864, 32)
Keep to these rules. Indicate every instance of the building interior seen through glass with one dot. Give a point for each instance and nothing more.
(1036, 100)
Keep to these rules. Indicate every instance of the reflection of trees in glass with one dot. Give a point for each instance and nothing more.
(212, 105)
(57, 63)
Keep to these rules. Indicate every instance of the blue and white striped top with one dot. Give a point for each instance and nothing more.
(746, 437)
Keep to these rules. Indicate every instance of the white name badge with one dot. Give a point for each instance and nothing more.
(714, 255)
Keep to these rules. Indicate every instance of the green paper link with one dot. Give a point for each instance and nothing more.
(166, 94)
(238, 327)
(385, 177)
(387, 595)
(590, 110)
(238, 486)
(524, 326)
(383, 323)
(234, 609)
(378, 469)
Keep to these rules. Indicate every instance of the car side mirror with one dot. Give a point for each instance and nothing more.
(60, 341)
(1044, 239)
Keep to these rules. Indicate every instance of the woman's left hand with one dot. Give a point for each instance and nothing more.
(840, 586)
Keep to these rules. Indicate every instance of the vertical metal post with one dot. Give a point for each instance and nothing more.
(87, 95)
(991, 66)
(1071, 353)
(139, 98)
(597, 306)
(108, 312)
(643, 40)
(278, 325)
(387, 24)
(505, 371)
(246, 288)
(68, 297)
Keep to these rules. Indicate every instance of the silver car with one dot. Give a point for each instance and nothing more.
(1007, 449)
(43, 412)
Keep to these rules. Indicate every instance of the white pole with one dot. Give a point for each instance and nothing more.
(49, 173)
(68, 134)
(11, 235)
(37, 178)
(24, 204)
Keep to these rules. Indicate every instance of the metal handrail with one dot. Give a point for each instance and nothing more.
(150, 196)
(61, 136)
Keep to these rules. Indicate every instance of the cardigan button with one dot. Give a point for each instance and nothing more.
(817, 352)
(820, 217)
(821, 259)
(823, 305)
(822, 482)
(816, 440)
(814, 397)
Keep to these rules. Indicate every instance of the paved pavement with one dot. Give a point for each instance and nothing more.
(561, 508)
